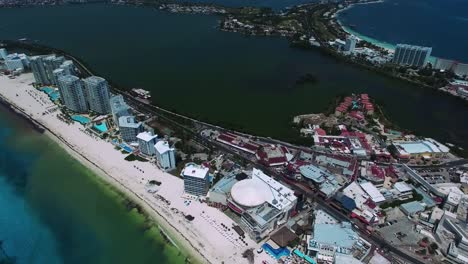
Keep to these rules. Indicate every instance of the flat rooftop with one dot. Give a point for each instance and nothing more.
(146, 136)
(337, 235)
(427, 145)
(373, 192)
(195, 170)
(283, 196)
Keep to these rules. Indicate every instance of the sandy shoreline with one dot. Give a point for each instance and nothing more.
(203, 238)
(381, 44)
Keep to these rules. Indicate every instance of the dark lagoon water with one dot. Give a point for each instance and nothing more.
(439, 24)
(274, 4)
(244, 82)
(54, 211)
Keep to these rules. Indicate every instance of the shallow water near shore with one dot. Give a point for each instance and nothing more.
(54, 210)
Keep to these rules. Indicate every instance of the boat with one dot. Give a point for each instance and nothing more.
(141, 93)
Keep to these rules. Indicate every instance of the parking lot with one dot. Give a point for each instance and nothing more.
(434, 176)
(400, 232)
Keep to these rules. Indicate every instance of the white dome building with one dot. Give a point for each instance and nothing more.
(262, 203)
(251, 193)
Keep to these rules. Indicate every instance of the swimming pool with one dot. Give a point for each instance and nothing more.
(126, 148)
(276, 252)
(101, 126)
(82, 119)
(301, 255)
(53, 95)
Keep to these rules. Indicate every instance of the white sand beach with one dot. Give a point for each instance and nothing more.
(203, 237)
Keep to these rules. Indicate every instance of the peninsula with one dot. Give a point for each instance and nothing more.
(355, 189)
(237, 198)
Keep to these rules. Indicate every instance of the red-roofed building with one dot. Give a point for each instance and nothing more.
(238, 142)
(356, 115)
(272, 155)
(320, 132)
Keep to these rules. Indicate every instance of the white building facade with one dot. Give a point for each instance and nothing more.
(146, 142)
(72, 93)
(129, 128)
(165, 155)
(411, 55)
(196, 179)
(98, 94)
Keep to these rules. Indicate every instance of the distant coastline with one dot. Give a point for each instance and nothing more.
(374, 41)
(382, 44)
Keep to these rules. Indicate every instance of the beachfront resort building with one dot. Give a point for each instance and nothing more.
(196, 179)
(3, 53)
(165, 155)
(68, 67)
(262, 202)
(350, 44)
(411, 55)
(129, 128)
(72, 93)
(52, 63)
(44, 68)
(16, 62)
(146, 142)
(58, 73)
(38, 69)
(13, 63)
(98, 94)
(118, 108)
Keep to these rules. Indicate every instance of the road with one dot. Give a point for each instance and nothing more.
(450, 164)
(156, 111)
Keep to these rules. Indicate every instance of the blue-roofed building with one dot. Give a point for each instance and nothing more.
(345, 201)
(329, 239)
(427, 199)
(221, 190)
(325, 180)
(314, 173)
(412, 208)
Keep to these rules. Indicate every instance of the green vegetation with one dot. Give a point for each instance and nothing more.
(396, 203)
(133, 157)
(432, 248)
